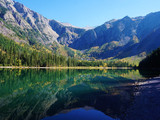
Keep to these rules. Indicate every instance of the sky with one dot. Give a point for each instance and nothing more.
(84, 13)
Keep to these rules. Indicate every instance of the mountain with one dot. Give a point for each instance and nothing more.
(67, 33)
(109, 38)
(25, 22)
(115, 30)
(24, 25)
(147, 45)
(28, 21)
(120, 38)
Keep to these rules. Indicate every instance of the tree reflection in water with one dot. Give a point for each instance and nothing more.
(36, 94)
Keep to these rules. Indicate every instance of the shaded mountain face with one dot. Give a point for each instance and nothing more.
(116, 38)
(121, 38)
(148, 44)
(67, 34)
(119, 30)
(149, 24)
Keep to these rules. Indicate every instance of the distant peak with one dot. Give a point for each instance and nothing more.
(67, 24)
(88, 28)
(70, 25)
(126, 18)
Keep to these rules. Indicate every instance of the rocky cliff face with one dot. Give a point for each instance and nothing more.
(27, 23)
(43, 30)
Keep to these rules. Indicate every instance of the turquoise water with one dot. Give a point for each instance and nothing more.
(66, 94)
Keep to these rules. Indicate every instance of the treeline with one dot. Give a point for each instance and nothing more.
(15, 54)
(118, 64)
(152, 60)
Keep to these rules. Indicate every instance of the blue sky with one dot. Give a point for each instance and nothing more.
(91, 12)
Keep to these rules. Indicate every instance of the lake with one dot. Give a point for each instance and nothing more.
(31, 94)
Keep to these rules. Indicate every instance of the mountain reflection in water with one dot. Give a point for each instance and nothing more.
(81, 114)
(39, 94)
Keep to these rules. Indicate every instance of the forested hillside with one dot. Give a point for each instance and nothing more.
(152, 60)
(20, 54)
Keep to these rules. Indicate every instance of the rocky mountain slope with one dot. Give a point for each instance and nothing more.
(27, 20)
(121, 38)
(24, 25)
(116, 38)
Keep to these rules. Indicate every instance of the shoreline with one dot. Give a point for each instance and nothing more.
(23, 67)
(146, 101)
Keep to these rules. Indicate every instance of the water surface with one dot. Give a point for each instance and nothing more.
(66, 94)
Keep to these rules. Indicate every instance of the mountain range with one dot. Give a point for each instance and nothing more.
(120, 38)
